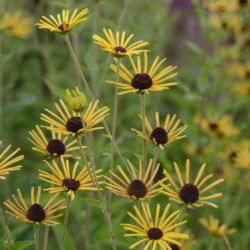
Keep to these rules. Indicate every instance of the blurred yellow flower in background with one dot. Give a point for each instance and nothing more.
(16, 24)
(213, 226)
(144, 79)
(118, 44)
(35, 212)
(63, 23)
(220, 127)
(243, 156)
(156, 231)
(8, 160)
(242, 88)
(159, 135)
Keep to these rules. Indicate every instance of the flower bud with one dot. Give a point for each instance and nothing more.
(76, 99)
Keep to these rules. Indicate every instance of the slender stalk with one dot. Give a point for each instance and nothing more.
(36, 236)
(78, 68)
(114, 121)
(227, 242)
(211, 247)
(142, 101)
(6, 230)
(103, 201)
(47, 228)
(46, 237)
(65, 223)
(156, 152)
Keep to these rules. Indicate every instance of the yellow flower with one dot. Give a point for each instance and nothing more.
(66, 178)
(213, 226)
(155, 233)
(138, 185)
(71, 122)
(188, 192)
(230, 152)
(119, 45)
(76, 99)
(8, 161)
(57, 145)
(220, 127)
(162, 136)
(35, 212)
(144, 79)
(242, 89)
(16, 24)
(243, 155)
(63, 23)
(221, 6)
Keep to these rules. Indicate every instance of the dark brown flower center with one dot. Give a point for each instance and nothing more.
(159, 135)
(120, 49)
(155, 233)
(71, 184)
(56, 146)
(243, 2)
(232, 156)
(36, 213)
(137, 188)
(189, 193)
(213, 126)
(74, 124)
(142, 81)
(174, 247)
(61, 27)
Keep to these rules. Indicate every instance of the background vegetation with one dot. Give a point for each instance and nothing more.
(34, 72)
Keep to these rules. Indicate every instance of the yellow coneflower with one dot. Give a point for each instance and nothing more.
(35, 212)
(8, 161)
(63, 23)
(230, 153)
(188, 192)
(15, 24)
(242, 158)
(162, 136)
(144, 79)
(212, 225)
(71, 122)
(242, 89)
(118, 44)
(221, 6)
(137, 185)
(57, 145)
(67, 179)
(220, 127)
(156, 232)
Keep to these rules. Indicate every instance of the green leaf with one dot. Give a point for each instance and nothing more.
(92, 202)
(56, 91)
(193, 47)
(21, 245)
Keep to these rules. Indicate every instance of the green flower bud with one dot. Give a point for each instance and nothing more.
(76, 99)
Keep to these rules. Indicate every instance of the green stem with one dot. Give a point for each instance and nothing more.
(78, 68)
(156, 151)
(6, 230)
(227, 242)
(114, 121)
(65, 223)
(36, 236)
(142, 102)
(46, 237)
(103, 201)
(211, 247)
